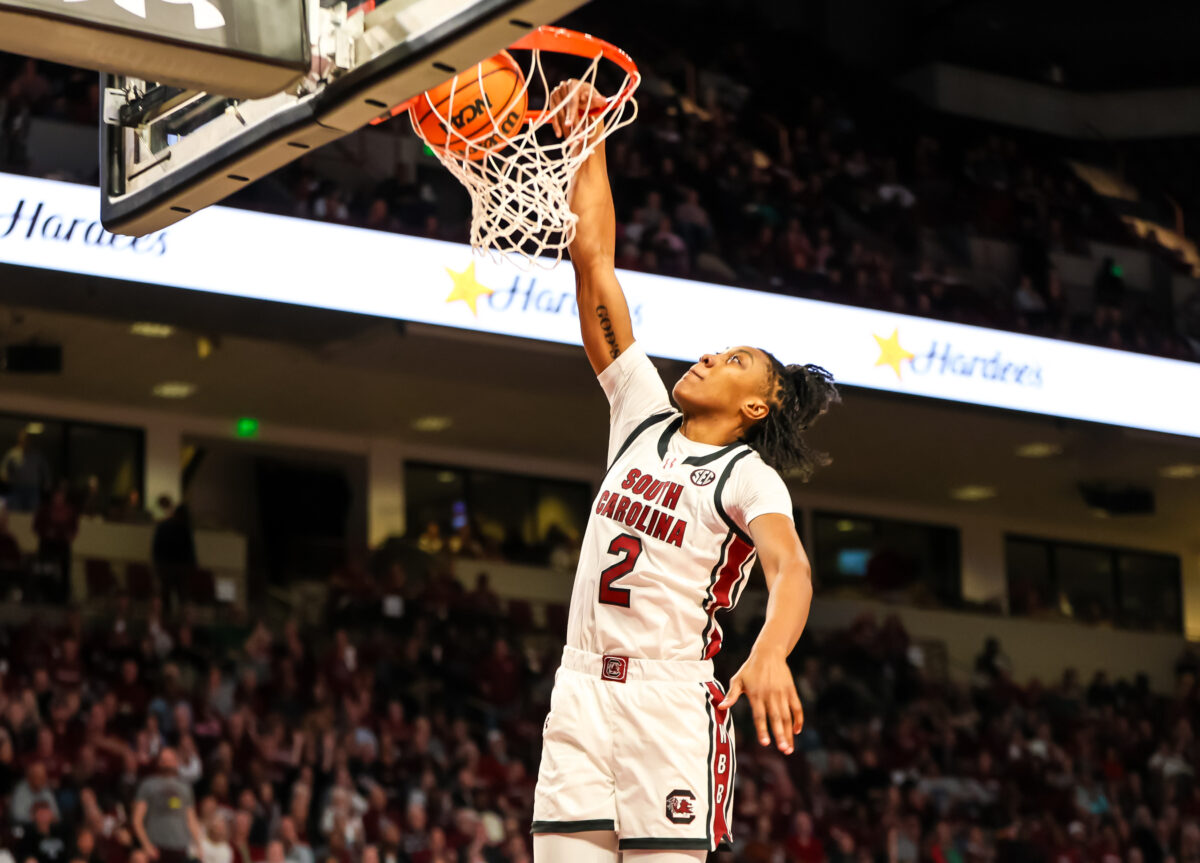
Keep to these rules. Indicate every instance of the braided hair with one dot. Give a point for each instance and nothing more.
(799, 395)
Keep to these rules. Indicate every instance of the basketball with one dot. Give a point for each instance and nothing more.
(482, 105)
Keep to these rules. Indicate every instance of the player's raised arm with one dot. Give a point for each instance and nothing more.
(603, 313)
(765, 678)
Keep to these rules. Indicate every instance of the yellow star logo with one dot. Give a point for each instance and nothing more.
(890, 352)
(467, 288)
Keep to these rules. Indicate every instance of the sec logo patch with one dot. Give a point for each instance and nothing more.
(702, 476)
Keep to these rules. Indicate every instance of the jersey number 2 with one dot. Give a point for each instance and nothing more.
(631, 548)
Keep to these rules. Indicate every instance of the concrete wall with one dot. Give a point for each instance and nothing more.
(1038, 649)
(1117, 115)
(223, 552)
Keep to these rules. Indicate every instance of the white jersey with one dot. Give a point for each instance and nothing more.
(668, 541)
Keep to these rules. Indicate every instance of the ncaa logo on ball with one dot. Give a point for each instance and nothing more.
(702, 476)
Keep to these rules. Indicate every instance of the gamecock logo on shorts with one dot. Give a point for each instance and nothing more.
(703, 476)
(615, 668)
(681, 806)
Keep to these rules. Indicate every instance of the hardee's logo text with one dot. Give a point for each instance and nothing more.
(628, 510)
(943, 358)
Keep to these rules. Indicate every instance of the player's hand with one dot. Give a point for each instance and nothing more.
(766, 681)
(580, 99)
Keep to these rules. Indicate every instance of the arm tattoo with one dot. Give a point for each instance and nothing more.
(610, 337)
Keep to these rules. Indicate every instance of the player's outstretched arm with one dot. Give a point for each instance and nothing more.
(603, 312)
(765, 678)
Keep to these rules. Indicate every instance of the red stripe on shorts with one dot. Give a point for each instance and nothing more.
(722, 763)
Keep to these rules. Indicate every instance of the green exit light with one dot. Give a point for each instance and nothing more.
(427, 150)
(247, 427)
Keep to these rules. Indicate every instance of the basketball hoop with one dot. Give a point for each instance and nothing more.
(520, 183)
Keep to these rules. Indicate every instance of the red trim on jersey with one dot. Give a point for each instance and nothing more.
(722, 765)
(722, 590)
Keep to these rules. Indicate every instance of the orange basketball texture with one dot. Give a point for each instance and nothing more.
(493, 89)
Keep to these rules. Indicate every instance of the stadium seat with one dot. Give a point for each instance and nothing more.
(556, 618)
(140, 582)
(201, 587)
(99, 577)
(520, 614)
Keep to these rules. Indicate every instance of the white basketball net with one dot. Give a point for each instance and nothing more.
(520, 191)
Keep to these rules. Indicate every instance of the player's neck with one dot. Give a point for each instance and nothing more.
(712, 430)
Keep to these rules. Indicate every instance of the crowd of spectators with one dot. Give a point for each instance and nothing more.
(28, 485)
(413, 736)
(859, 199)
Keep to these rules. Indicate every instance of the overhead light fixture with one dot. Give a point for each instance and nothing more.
(151, 330)
(973, 492)
(1180, 471)
(1039, 449)
(204, 347)
(34, 428)
(432, 423)
(173, 389)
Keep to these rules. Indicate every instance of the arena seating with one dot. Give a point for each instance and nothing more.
(416, 738)
(853, 198)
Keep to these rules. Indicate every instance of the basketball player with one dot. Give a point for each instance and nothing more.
(637, 753)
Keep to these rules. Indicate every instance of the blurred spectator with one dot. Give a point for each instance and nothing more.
(1109, 293)
(10, 552)
(174, 554)
(214, 844)
(31, 791)
(26, 473)
(164, 817)
(93, 504)
(1030, 306)
(803, 846)
(56, 524)
(430, 540)
(131, 511)
(42, 841)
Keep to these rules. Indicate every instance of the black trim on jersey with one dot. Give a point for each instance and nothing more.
(651, 843)
(664, 439)
(708, 594)
(641, 427)
(572, 826)
(700, 460)
(717, 497)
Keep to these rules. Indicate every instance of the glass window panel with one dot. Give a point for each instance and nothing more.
(433, 496)
(1148, 585)
(1030, 585)
(1085, 583)
(520, 518)
(874, 555)
(113, 456)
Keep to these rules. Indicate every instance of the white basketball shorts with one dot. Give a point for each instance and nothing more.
(637, 746)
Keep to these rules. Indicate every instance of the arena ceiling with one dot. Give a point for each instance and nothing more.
(352, 375)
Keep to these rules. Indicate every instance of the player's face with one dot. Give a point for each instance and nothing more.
(735, 379)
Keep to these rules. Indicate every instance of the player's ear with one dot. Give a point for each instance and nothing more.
(755, 409)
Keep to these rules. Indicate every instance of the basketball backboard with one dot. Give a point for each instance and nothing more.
(201, 97)
(228, 46)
